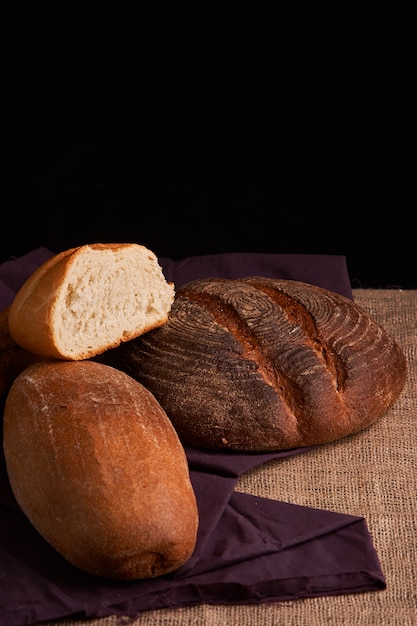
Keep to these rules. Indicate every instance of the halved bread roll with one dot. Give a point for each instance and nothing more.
(88, 299)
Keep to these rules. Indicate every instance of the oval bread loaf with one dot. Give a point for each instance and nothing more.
(97, 467)
(262, 364)
(86, 300)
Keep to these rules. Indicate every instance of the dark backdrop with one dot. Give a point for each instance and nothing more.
(192, 168)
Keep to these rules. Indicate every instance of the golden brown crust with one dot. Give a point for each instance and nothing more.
(261, 364)
(97, 467)
(31, 310)
(80, 303)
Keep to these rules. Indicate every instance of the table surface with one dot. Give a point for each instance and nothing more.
(370, 474)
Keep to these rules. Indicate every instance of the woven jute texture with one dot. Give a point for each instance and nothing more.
(371, 474)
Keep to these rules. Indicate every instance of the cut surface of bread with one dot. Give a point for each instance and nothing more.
(85, 300)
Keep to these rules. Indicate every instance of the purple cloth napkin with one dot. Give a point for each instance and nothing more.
(328, 271)
(249, 549)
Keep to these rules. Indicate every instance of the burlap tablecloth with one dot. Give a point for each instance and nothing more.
(372, 474)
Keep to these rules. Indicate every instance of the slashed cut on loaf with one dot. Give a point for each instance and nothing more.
(263, 364)
(88, 299)
(98, 469)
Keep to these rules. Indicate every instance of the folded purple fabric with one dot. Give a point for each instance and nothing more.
(328, 271)
(249, 549)
(13, 273)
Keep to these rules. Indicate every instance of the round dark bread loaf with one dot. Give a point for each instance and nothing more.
(265, 364)
(97, 467)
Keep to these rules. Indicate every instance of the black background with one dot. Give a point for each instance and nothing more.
(191, 166)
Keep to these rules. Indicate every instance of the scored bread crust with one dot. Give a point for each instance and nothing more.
(98, 469)
(262, 364)
(88, 299)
